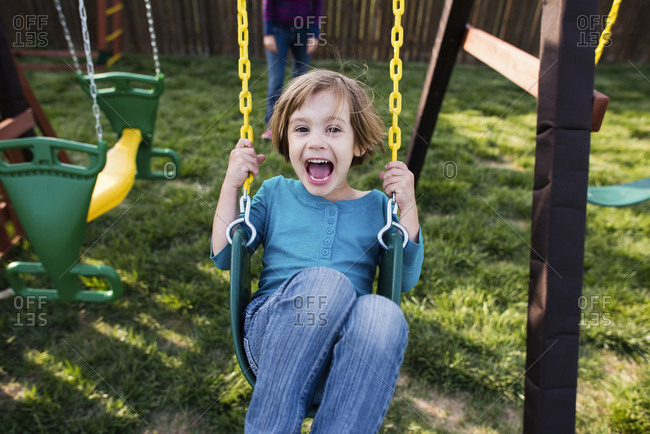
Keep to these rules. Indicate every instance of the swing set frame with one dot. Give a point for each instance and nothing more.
(568, 110)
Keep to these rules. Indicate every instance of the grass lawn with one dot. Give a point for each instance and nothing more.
(161, 358)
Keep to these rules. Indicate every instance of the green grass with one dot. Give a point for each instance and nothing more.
(161, 358)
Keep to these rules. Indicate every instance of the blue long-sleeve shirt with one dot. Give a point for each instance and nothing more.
(300, 230)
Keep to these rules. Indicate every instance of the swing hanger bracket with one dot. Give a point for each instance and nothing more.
(245, 209)
(391, 209)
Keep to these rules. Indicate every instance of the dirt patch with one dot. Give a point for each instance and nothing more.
(450, 412)
(164, 422)
(13, 391)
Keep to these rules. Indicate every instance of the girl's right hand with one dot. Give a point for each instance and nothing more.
(243, 160)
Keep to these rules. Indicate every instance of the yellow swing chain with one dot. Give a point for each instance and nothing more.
(245, 97)
(395, 103)
(245, 106)
(607, 33)
(395, 107)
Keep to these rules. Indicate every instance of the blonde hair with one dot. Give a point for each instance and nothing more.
(369, 129)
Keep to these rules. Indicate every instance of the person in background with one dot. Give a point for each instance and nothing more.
(288, 25)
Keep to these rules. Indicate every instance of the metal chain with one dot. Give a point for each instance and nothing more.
(90, 67)
(395, 103)
(607, 33)
(245, 97)
(68, 38)
(152, 35)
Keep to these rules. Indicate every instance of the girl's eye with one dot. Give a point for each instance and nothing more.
(302, 130)
(333, 129)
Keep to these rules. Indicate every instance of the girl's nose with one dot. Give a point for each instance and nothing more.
(317, 141)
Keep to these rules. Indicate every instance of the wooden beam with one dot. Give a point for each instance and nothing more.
(519, 67)
(12, 103)
(599, 107)
(451, 31)
(39, 114)
(513, 63)
(12, 128)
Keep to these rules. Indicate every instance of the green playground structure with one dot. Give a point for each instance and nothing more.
(131, 101)
(54, 200)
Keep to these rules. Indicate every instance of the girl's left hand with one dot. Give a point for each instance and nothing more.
(398, 179)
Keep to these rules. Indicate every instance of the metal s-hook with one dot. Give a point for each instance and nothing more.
(244, 208)
(392, 208)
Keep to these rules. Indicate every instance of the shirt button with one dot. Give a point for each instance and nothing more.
(329, 231)
(325, 252)
(326, 242)
(330, 221)
(332, 211)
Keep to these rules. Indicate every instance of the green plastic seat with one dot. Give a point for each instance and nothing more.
(51, 199)
(131, 101)
(620, 195)
(389, 286)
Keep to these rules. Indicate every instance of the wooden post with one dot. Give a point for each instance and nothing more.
(102, 24)
(12, 104)
(39, 114)
(449, 40)
(559, 212)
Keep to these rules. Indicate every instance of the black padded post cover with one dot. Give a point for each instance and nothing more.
(559, 214)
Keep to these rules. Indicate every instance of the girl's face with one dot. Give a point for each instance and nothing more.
(321, 146)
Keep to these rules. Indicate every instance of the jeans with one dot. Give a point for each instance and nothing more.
(315, 335)
(286, 37)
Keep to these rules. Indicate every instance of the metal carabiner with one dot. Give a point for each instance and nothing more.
(244, 208)
(392, 208)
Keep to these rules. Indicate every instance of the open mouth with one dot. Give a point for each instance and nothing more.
(319, 171)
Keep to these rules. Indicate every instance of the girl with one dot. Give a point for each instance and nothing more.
(313, 331)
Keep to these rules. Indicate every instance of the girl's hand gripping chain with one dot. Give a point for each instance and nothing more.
(243, 160)
(399, 180)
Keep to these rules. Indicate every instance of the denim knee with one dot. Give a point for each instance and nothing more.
(377, 319)
(318, 291)
(319, 281)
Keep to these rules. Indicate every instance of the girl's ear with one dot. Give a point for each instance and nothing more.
(358, 152)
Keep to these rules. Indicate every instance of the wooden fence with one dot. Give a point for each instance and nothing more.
(358, 29)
